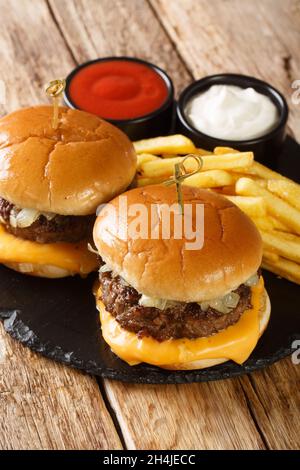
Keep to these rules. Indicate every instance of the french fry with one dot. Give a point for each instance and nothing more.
(284, 268)
(271, 200)
(263, 223)
(200, 152)
(203, 152)
(177, 143)
(287, 190)
(275, 206)
(252, 206)
(288, 236)
(205, 179)
(242, 173)
(270, 256)
(165, 167)
(148, 181)
(145, 157)
(289, 249)
(261, 171)
(261, 182)
(278, 225)
(171, 155)
(209, 179)
(269, 223)
(224, 150)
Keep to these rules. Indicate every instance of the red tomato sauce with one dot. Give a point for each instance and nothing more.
(118, 89)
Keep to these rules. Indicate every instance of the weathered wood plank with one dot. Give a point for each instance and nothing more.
(275, 402)
(215, 37)
(32, 52)
(259, 38)
(48, 406)
(122, 27)
(194, 416)
(42, 405)
(214, 415)
(253, 412)
(211, 415)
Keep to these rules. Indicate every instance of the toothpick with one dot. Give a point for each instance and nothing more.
(54, 89)
(180, 174)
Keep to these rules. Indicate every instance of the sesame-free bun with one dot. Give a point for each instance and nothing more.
(69, 170)
(40, 270)
(165, 268)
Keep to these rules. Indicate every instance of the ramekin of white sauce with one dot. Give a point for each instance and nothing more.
(235, 111)
(232, 113)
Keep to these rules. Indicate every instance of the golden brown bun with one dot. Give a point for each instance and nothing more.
(164, 268)
(69, 171)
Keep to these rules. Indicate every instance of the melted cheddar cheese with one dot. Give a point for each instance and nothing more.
(235, 342)
(74, 257)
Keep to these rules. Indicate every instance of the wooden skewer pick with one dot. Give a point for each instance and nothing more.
(54, 89)
(180, 174)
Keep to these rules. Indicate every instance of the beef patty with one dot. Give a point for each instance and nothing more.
(60, 228)
(183, 320)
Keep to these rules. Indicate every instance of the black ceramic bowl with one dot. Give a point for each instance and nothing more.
(266, 147)
(153, 124)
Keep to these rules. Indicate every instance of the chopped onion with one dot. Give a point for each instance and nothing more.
(147, 301)
(204, 306)
(13, 218)
(224, 304)
(156, 302)
(48, 215)
(218, 304)
(105, 268)
(26, 217)
(92, 250)
(125, 283)
(252, 281)
(231, 300)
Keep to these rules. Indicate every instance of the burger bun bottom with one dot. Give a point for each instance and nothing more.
(204, 363)
(264, 316)
(40, 270)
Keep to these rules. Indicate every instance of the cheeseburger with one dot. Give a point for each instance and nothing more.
(174, 307)
(51, 182)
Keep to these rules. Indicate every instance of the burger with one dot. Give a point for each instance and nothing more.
(51, 183)
(165, 304)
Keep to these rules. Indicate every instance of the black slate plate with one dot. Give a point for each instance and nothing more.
(58, 319)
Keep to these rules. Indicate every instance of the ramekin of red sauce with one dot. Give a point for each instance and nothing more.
(134, 95)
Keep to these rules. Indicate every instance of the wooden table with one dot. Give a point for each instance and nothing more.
(44, 405)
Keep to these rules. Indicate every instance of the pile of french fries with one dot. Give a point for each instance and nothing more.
(271, 200)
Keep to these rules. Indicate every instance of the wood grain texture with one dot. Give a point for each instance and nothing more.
(32, 52)
(274, 401)
(213, 415)
(44, 405)
(256, 37)
(260, 411)
(214, 37)
(118, 27)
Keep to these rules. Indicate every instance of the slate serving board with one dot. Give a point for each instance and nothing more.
(58, 319)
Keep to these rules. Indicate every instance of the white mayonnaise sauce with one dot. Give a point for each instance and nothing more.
(232, 113)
